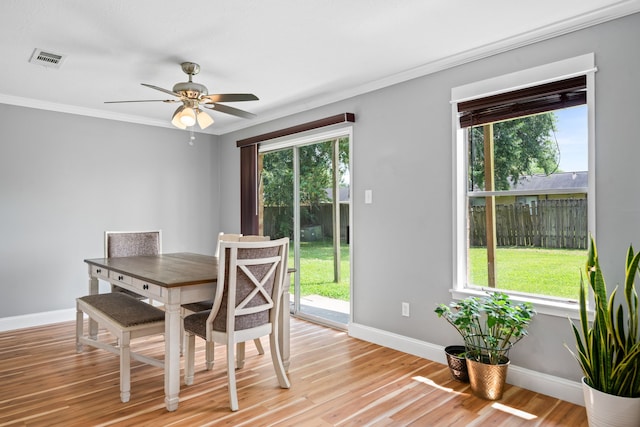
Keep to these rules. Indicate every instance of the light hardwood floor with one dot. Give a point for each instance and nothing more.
(336, 381)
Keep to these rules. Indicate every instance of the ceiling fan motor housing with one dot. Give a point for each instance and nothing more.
(190, 89)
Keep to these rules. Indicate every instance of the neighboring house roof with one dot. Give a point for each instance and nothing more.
(562, 180)
(344, 194)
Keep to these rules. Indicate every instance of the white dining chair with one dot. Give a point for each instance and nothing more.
(131, 243)
(206, 305)
(245, 307)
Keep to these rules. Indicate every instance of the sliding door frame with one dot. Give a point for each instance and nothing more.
(295, 143)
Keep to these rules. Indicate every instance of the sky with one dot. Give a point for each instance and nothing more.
(572, 138)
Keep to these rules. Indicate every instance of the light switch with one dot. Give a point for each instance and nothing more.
(368, 196)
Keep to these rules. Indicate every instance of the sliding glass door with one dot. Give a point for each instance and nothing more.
(304, 194)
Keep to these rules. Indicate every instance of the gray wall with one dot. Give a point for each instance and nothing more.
(402, 150)
(65, 179)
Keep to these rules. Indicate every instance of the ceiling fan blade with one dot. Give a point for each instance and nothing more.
(231, 97)
(144, 100)
(229, 110)
(161, 89)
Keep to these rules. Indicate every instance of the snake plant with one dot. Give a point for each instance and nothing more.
(608, 349)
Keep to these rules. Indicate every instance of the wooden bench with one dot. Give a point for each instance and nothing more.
(126, 318)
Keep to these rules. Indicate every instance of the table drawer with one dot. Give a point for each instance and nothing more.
(148, 288)
(119, 277)
(99, 272)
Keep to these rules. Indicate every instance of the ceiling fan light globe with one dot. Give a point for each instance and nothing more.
(175, 120)
(187, 116)
(204, 120)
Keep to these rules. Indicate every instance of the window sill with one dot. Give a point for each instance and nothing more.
(551, 307)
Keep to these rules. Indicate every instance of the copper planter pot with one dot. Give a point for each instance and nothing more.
(487, 381)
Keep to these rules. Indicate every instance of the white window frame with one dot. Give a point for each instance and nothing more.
(572, 67)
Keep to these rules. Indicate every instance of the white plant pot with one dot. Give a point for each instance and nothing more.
(607, 410)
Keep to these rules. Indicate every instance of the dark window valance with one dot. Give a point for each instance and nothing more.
(523, 102)
(327, 121)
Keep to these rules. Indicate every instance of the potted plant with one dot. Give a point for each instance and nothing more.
(457, 362)
(490, 326)
(608, 348)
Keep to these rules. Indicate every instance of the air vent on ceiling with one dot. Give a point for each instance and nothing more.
(47, 59)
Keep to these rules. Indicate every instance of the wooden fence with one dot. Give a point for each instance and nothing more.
(560, 223)
(322, 218)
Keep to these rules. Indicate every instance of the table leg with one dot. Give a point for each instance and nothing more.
(93, 289)
(172, 354)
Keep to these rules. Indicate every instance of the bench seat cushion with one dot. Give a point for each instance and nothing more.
(124, 309)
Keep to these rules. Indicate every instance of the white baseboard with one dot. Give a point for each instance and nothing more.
(36, 319)
(560, 388)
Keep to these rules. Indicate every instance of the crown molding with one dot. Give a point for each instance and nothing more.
(82, 111)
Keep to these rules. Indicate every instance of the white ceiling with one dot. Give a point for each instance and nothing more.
(293, 54)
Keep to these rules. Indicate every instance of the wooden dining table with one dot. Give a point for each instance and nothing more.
(173, 279)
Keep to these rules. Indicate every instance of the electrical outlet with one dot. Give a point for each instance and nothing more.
(405, 309)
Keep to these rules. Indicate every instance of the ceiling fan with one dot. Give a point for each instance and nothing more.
(193, 96)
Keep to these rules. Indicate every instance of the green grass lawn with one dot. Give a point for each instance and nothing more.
(316, 270)
(538, 271)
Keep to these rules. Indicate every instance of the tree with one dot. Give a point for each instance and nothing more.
(315, 178)
(277, 190)
(521, 147)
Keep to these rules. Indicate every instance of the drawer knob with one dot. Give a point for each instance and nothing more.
(99, 271)
(120, 277)
(145, 287)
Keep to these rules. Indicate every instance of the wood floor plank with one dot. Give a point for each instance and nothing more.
(335, 381)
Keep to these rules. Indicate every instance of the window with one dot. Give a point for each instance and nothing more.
(524, 199)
